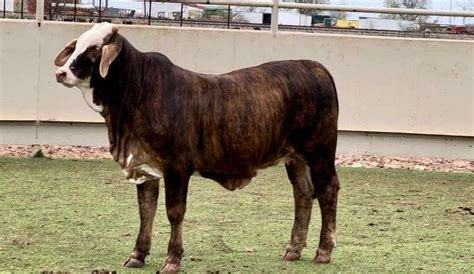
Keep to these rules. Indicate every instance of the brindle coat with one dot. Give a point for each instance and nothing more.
(224, 127)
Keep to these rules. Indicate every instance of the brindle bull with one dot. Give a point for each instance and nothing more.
(167, 122)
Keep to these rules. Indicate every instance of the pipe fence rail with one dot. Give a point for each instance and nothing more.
(75, 11)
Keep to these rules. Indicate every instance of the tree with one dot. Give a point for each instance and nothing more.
(339, 14)
(407, 4)
(467, 5)
(310, 12)
(50, 8)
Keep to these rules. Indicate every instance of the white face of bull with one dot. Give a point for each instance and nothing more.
(77, 59)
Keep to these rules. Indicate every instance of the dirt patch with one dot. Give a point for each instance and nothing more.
(367, 161)
(428, 164)
(57, 151)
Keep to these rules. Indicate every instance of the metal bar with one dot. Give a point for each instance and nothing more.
(149, 13)
(100, 11)
(274, 22)
(376, 10)
(75, 10)
(181, 16)
(256, 3)
(21, 11)
(39, 11)
(290, 5)
(4, 8)
(228, 16)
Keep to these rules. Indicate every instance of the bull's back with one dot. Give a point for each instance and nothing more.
(251, 117)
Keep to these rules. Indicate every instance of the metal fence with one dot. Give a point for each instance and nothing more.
(222, 14)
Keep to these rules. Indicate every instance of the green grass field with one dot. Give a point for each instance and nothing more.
(67, 215)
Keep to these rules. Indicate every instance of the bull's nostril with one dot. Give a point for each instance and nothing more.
(60, 76)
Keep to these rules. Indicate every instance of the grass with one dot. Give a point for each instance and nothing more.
(66, 215)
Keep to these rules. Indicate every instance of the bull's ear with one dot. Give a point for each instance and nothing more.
(110, 52)
(62, 57)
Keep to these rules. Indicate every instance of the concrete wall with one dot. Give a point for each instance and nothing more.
(349, 142)
(385, 85)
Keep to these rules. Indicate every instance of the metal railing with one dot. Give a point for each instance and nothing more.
(275, 5)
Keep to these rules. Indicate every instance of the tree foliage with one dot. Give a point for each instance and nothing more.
(50, 7)
(311, 11)
(407, 4)
(467, 5)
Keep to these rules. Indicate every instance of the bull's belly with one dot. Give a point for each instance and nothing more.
(234, 176)
(228, 181)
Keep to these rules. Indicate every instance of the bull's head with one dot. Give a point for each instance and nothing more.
(93, 52)
(79, 57)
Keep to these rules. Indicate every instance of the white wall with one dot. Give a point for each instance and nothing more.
(392, 85)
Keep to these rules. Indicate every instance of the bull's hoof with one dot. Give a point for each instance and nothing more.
(291, 256)
(133, 263)
(322, 257)
(170, 268)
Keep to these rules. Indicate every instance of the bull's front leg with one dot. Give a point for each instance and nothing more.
(176, 189)
(298, 174)
(147, 199)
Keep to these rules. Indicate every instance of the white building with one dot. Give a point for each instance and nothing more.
(263, 15)
(386, 24)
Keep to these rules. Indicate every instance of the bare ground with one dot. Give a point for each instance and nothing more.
(368, 161)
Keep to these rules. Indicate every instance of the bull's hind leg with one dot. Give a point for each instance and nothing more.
(326, 187)
(147, 198)
(298, 174)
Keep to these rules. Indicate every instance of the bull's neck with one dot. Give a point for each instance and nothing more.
(133, 76)
(114, 93)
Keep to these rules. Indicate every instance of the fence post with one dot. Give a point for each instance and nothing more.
(39, 12)
(21, 11)
(100, 11)
(75, 10)
(181, 16)
(4, 8)
(149, 13)
(274, 25)
(229, 14)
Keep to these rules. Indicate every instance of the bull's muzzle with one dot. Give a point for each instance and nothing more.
(60, 76)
